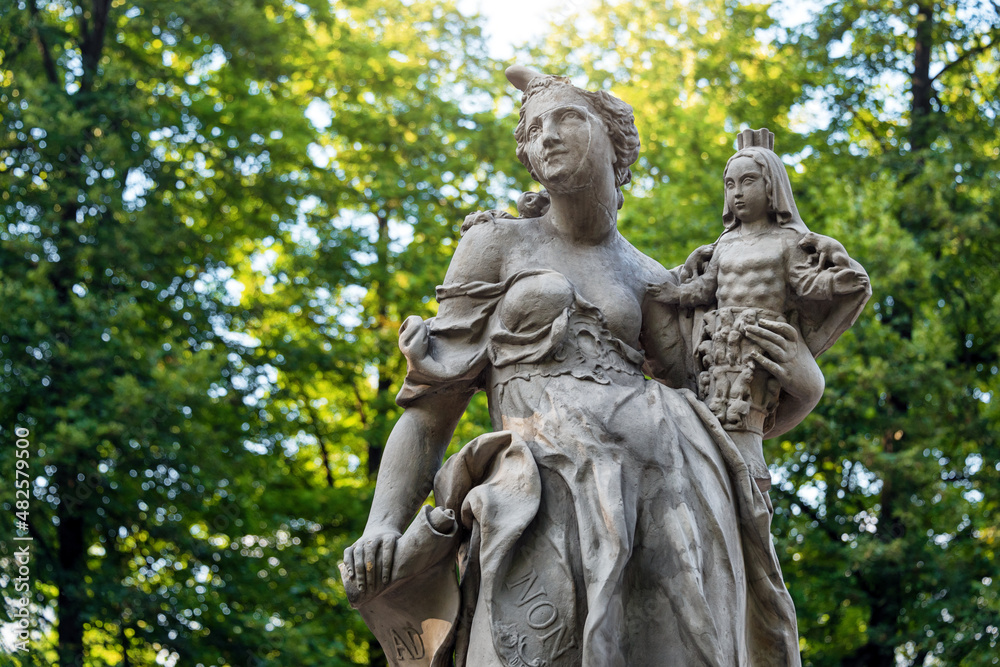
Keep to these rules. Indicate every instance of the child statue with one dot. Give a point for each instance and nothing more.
(766, 265)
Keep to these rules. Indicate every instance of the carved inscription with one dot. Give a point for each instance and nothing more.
(408, 644)
(542, 615)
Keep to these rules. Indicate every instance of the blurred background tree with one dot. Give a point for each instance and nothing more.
(215, 216)
(198, 279)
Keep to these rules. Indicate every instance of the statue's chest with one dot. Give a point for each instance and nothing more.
(595, 276)
(759, 257)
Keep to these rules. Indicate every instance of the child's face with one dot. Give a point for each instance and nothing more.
(746, 192)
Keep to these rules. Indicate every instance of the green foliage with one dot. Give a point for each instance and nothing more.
(195, 300)
(202, 283)
(889, 509)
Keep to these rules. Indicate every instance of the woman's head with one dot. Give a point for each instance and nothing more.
(616, 118)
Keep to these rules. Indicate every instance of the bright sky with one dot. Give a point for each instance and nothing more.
(513, 22)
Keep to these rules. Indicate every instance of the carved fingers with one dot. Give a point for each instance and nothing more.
(368, 562)
(696, 261)
(784, 354)
(478, 218)
(388, 554)
(665, 292)
(776, 339)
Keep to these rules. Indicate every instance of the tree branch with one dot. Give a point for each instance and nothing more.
(361, 405)
(314, 418)
(971, 53)
(50, 66)
(93, 42)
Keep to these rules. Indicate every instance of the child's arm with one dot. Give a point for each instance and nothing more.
(698, 290)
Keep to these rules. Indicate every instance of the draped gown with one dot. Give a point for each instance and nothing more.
(618, 525)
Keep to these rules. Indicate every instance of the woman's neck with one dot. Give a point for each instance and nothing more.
(588, 216)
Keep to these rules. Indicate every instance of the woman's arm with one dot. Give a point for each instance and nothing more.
(413, 454)
(417, 443)
(668, 357)
(667, 348)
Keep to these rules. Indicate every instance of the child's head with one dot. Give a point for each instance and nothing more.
(756, 145)
(533, 204)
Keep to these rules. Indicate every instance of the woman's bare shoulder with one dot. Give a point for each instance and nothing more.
(483, 250)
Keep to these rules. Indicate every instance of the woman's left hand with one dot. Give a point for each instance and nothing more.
(788, 359)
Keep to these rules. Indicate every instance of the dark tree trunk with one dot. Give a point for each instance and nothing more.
(70, 613)
(920, 79)
(379, 428)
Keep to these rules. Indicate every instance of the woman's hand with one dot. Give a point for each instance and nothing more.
(788, 359)
(368, 562)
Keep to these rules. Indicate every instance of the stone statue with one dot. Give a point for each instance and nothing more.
(766, 266)
(611, 519)
(529, 205)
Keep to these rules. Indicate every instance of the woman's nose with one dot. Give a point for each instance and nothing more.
(550, 134)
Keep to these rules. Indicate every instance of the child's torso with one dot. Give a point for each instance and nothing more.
(753, 270)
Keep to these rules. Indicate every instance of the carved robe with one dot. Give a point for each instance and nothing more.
(610, 521)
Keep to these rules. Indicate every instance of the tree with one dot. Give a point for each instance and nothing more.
(180, 271)
(889, 509)
(133, 134)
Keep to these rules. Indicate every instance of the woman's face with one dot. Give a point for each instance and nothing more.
(565, 141)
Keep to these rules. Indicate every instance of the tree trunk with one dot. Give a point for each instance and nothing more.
(920, 79)
(69, 611)
(379, 428)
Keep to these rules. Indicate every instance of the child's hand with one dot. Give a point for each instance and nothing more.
(477, 218)
(696, 262)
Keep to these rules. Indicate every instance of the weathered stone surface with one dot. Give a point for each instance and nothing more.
(611, 519)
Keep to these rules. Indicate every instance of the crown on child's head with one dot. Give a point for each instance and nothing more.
(762, 138)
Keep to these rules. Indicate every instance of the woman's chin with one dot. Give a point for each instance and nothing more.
(564, 183)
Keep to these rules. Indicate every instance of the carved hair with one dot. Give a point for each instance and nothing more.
(616, 116)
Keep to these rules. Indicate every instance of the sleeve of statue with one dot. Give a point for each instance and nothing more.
(831, 289)
(414, 618)
(447, 353)
(822, 270)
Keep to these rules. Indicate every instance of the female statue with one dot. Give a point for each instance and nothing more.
(610, 520)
